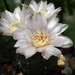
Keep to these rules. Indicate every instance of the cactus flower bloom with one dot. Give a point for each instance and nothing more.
(42, 7)
(43, 36)
(9, 22)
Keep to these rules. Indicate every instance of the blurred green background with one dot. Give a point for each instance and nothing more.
(67, 16)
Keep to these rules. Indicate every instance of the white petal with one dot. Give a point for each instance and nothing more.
(18, 34)
(33, 5)
(28, 35)
(29, 52)
(25, 14)
(21, 43)
(44, 23)
(7, 34)
(61, 41)
(64, 27)
(50, 7)
(46, 54)
(8, 15)
(57, 10)
(21, 25)
(56, 29)
(40, 49)
(42, 6)
(21, 50)
(4, 23)
(54, 13)
(24, 7)
(17, 13)
(68, 43)
(30, 25)
(54, 51)
(49, 51)
(52, 22)
(39, 22)
(5, 31)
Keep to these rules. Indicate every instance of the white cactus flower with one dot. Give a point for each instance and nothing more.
(9, 22)
(42, 7)
(41, 35)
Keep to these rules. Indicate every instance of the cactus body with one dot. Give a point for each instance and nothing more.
(37, 65)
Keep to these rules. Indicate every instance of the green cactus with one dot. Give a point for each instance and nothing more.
(37, 65)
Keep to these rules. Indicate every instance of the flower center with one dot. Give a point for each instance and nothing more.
(40, 39)
(44, 13)
(13, 25)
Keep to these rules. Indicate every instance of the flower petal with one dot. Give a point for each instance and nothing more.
(29, 52)
(42, 6)
(4, 23)
(28, 35)
(26, 13)
(61, 41)
(8, 14)
(56, 29)
(50, 8)
(53, 13)
(49, 51)
(21, 50)
(33, 5)
(21, 43)
(5, 31)
(56, 52)
(5, 16)
(64, 27)
(46, 54)
(30, 25)
(39, 22)
(52, 22)
(17, 12)
(40, 49)
(18, 34)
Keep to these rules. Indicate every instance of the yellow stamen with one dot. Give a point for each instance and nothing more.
(13, 25)
(44, 13)
(40, 39)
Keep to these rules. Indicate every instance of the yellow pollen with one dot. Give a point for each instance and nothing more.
(13, 25)
(44, 13)
(40, 39)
